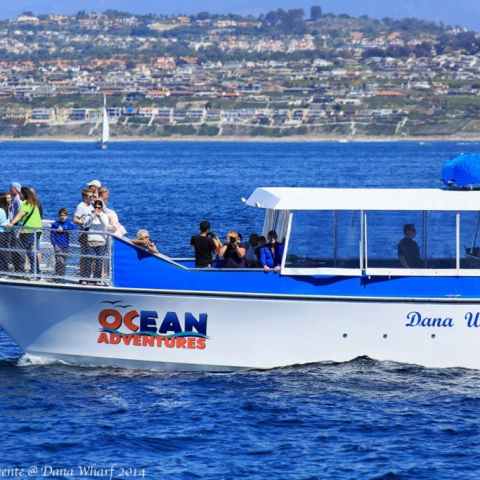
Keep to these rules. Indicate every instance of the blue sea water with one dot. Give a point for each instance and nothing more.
(358, 420)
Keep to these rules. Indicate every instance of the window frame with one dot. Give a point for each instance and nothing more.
(365, 270)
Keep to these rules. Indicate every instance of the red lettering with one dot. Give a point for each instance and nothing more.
(128, 320)
(105, 315)
(102, 338)
(159, 341)
(180, 342)
(148, 341)
(191, 343)
(115, 338)
(137, 341)
(201, 343)
(169, 342)
(127, 339)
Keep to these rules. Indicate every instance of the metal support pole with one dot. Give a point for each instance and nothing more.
(35, 253)
(363, 265)
(335, 237)
(425, 238)
(110, 260)
(457, 242)
(287, 242)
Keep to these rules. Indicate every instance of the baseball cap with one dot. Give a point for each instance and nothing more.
(94, 183)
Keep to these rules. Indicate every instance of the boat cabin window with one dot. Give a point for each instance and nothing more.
(324, 240)
(411, 240)
(382, 243)
(470, 240)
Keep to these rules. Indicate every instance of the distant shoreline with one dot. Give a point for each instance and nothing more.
(251, 139)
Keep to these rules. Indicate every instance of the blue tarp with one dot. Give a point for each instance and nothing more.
(462, 172)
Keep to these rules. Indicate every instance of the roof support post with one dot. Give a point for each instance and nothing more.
(457, 243)
(335, 238)
(425, 238)
(287, 241)
(363, 241)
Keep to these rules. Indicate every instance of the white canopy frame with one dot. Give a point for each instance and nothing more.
(364, 268)
(367, 199)
(289, 200)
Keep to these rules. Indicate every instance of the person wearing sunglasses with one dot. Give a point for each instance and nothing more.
(98, 226)
(81, 217)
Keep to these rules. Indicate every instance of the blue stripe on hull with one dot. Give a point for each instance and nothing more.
(133, 268)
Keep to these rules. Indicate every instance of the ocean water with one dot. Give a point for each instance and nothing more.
(363, 419)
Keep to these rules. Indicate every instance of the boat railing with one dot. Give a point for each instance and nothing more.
(61, 256)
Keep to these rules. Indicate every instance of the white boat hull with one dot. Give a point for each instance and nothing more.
(242, 332)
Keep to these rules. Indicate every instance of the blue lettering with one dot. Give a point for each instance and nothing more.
(473, 321)
(414, 319)
(148, 322)
(199, 325)
(170, 324)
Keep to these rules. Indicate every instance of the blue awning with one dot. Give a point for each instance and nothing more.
(462, 172)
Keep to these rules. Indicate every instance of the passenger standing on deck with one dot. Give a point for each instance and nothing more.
(118, 228)
(94, 187)
(251, 256)
(206, 244)
(408, 250)
(30, 218)
(233, 253)
(16, 256)
(60, 239)
(97, 238)
(16, 203)
(82, 217)
(271, 254)
(4, 235)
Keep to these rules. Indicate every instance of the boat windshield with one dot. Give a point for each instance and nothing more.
(324, 240)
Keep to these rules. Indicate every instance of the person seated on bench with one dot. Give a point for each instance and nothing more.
(143, 240)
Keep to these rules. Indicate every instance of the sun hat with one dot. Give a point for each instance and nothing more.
(94, 183)
(16, 186)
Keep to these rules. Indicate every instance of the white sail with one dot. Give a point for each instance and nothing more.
(105, 127)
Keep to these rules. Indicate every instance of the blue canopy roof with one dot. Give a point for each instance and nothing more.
(462, 172)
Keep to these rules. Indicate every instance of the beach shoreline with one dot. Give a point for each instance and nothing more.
(251, 139)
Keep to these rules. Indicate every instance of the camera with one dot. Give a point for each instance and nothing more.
(232, 240)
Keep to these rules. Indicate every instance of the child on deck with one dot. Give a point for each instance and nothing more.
(60, 238)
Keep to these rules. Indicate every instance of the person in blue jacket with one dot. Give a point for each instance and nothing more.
(60, 238)
(271, 254)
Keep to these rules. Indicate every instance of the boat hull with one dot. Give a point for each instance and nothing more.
(104, 326)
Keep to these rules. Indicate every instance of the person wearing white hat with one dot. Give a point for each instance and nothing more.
(94, 186)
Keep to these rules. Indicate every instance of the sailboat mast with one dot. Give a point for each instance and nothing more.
(105, 123)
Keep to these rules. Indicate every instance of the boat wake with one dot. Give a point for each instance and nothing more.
(29, 360)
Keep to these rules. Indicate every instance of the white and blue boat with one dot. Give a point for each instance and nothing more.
(342, 291)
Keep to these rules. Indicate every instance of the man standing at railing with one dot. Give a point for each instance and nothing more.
(16, 255)
(81, 217)
(16, 203)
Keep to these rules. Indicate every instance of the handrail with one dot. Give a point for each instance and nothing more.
(61, 256)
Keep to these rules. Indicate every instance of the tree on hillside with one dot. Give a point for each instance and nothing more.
(290, 21)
